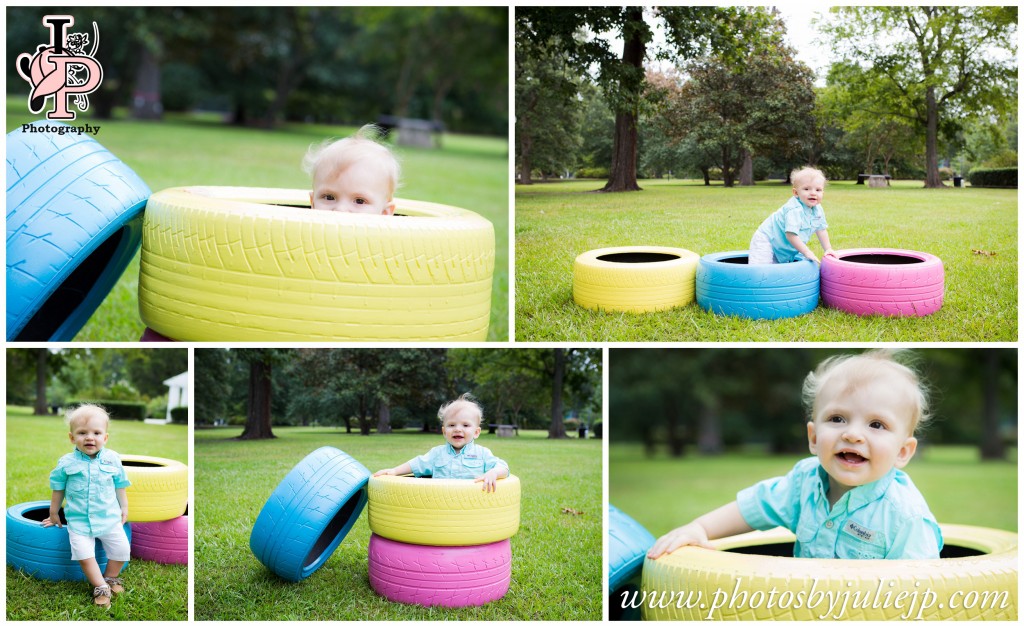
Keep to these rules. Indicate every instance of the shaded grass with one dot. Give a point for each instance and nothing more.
(663, 493)
(469, 172)
(557, 222)
(556, 557)
(153, 591)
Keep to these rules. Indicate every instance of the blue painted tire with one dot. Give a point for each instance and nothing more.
(44, 552)
(727, 286)
(74, 223)
(628, 543)
(309, 513)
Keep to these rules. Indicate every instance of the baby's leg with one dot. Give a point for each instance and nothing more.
(92, 572)
(761, 252)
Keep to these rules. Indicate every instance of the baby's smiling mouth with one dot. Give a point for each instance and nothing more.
(851, 457)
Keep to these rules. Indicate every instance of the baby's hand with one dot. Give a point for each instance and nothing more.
(490, 480)
(52, 521)
(830, 253)
(124, 516)
(386, 471)
(687, 535)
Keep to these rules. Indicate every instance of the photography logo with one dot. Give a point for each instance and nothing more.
(62, 69)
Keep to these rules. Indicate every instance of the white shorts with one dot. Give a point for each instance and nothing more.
(761, 252)
(114, 543)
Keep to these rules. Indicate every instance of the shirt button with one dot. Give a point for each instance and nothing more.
(828, 524)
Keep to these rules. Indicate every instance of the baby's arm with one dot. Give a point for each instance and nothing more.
(825, 245)
(55, 500)
(794, 239)
(122, 500)
(404, 469)
(490, 478)
(723, 522)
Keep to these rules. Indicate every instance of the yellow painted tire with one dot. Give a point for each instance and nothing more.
(975, 586)
(634, 278)
(252, 264)
(159, 489)
(443, 512)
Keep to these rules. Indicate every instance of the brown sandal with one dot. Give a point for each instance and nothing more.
(115, 583)
(101, 596)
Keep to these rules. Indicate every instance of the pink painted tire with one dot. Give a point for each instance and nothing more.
(445, 576)
(883, 281)
(164, 542)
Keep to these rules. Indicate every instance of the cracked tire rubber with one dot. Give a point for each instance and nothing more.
(309, 513)
(445, 576)
(883, 281)
(443, 512)
(728, 286)
(163, 542)
(980, 560)
(74, 223)
(628, 543)
(159, 489)
(45, 552)
(636, 279)
(251, 264)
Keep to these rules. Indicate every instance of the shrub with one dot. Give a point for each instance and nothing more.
(597, 430)
(993, 177)
(179, 415)
(592, 173)
(946, 173)
(1005, 159)
(118, 410)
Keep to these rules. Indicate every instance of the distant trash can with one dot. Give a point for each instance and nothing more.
(958, 181)
(583, 432)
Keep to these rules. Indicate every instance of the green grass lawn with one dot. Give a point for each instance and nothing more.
(556, 557)
(469, 172)
(153, 591)
(556, 222)
(662, 493)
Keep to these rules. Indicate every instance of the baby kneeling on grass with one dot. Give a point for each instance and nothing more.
(92, 481)
(851, 501)
(461, 457)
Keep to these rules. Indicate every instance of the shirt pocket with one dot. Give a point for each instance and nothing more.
(474, 466)
(78, 480)
(807, 531)
(859, 543)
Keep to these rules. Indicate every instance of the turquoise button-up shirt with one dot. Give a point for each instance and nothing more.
(792, 217)
(444, 462)
(89, 484)
(885, 519)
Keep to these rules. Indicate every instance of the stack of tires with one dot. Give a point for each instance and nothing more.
(157, 508)
(441, 542)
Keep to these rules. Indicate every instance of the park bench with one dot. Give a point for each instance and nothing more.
(861, 178)
(503, 431)
(413, 132)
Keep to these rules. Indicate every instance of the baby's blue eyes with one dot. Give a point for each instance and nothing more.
(874, 424)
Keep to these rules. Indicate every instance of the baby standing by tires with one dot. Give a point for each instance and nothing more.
(784, 234)
(461, 457)
(92, 482)
(851, 500)
(355, 174)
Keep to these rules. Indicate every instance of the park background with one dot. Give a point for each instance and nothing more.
(128, 382)
(380, 406)
(688, 120)
(234, 96)
(689, 428)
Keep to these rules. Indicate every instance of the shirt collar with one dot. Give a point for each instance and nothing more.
(859, 496)
(79, 455)
(451, 449)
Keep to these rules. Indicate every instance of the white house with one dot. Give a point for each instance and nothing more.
(177, 396)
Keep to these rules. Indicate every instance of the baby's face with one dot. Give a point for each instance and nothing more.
(460, 429)
(359, 188)
(810, 189)
(89, 435)
(861, 429)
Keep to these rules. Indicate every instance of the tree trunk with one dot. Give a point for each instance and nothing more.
(146, 99)
(524, 162)
(707, 176)
(557, 429)
(257, 419)
(624, 147)
(364, 421)
(991, 441)
(674, 432)
(41, 375)
(709, 436)
(747, 169)
(383, 418)
(931, 147)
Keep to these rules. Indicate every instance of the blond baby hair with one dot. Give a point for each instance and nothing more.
(332, 156)
(464, 402)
